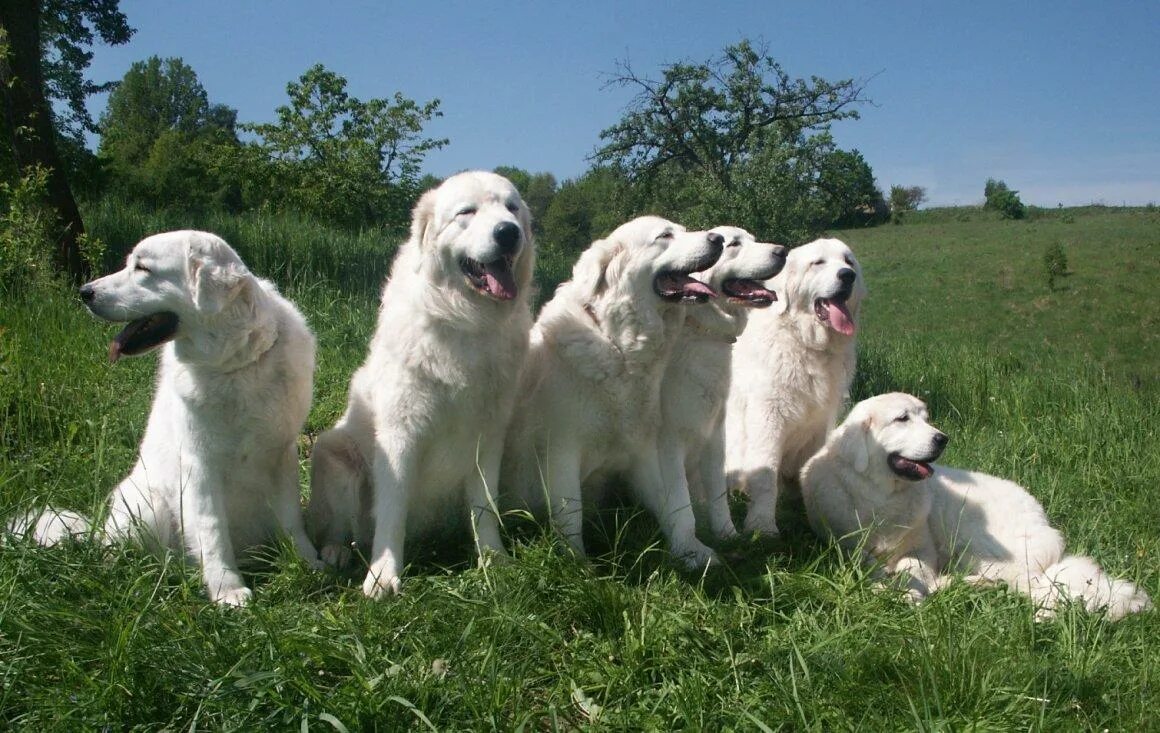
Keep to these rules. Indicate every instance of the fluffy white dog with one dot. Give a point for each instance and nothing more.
(692, 427)
(217, 470)
(873, 486)
(423, 431)
(791, 372)
(590, 393)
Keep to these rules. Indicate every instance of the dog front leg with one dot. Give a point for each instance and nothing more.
(205, 529)
(760, 473)
(565, 496)
(392, 473)
(288, 508)
(670, 505)
(711, 488)
(484, 501)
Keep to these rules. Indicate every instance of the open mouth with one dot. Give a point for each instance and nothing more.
(748, 293)
(678, 287)
(909, 469)
(834, 313)
(143, 334)
(494, 279)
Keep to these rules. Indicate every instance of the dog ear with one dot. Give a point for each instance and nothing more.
(591, 274)
(852, 439)
(422, 217)
(216, 274)
(780, 285)
(526, 265)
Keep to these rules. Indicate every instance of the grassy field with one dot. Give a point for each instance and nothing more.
(1056, 389)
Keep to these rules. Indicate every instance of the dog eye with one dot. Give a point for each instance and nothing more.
(815, 263)
(514, 208)
(849, 261)
(734, 243)
(666, 234)
(902, 418)
(141, 268)
(467, 211)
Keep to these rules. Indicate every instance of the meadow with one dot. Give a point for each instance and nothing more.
(1054, 387)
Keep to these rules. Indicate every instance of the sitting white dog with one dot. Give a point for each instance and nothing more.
(692, 427)
(791, 372)
(873, 486)
(423, 432)
(217, 470)
(591, 389)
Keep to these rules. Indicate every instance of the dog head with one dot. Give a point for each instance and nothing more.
(477, 229)
(168, 279)
(649, 255)
(743, 265)
(825, 279)
(889, 435)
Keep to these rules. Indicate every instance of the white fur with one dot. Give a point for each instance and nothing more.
(590, 391)
(217, 470)
(791, 373)
(696, 382)
(423, 432)
(952, 521)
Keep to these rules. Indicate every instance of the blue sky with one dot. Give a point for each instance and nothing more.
(1059, 99)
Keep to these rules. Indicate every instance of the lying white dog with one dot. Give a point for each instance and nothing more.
(873, 486)
(217, 470)
(792, 368)
(423, 431)
(590, 392)
(692, 427)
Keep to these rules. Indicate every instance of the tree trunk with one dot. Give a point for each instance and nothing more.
(29, 122)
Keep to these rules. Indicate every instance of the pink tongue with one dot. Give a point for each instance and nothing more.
(923, 469)
(498, 281)
(696, 287)
(839, 317)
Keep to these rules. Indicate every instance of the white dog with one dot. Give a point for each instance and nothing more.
(590, 392)
(792, 369)
(423, 431)
(873, 486)
(217, 470)
(692, 427)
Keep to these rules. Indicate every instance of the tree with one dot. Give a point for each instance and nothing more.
(904, 199)
(160, 135)
(714, 116)
(536, 189)
(336, 156)
(998, 197)
(848, 194)
(43, 57)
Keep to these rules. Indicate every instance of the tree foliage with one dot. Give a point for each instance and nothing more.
(536, 189)
(335, 156)
(998, 197)
(737, 140)
(164, 141)
(43, 57)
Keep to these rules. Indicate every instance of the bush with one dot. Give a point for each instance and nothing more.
(1054, 264)
(1004, 200)
(26, 231)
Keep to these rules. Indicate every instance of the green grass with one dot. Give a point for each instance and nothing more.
(1061, 398)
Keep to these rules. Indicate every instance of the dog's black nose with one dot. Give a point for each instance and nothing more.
(941, 440)
(846, 275)
(88, 293)
(716, 240)
(507, 236)
(780, 250)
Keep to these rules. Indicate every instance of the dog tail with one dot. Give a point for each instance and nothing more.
(49, 526)
(1080, 578)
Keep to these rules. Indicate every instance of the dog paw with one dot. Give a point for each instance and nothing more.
(336, 556)
(491, 557)
(382, 585)
(697, 557)
(236, 597)
(761, 524)
(726, 532)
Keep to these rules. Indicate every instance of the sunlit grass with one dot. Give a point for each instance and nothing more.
(789, 636)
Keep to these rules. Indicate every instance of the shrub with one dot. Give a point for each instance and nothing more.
(27, 226)
(1002, 199)
(1054, 264)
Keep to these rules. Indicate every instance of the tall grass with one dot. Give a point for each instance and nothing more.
(790, 635)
